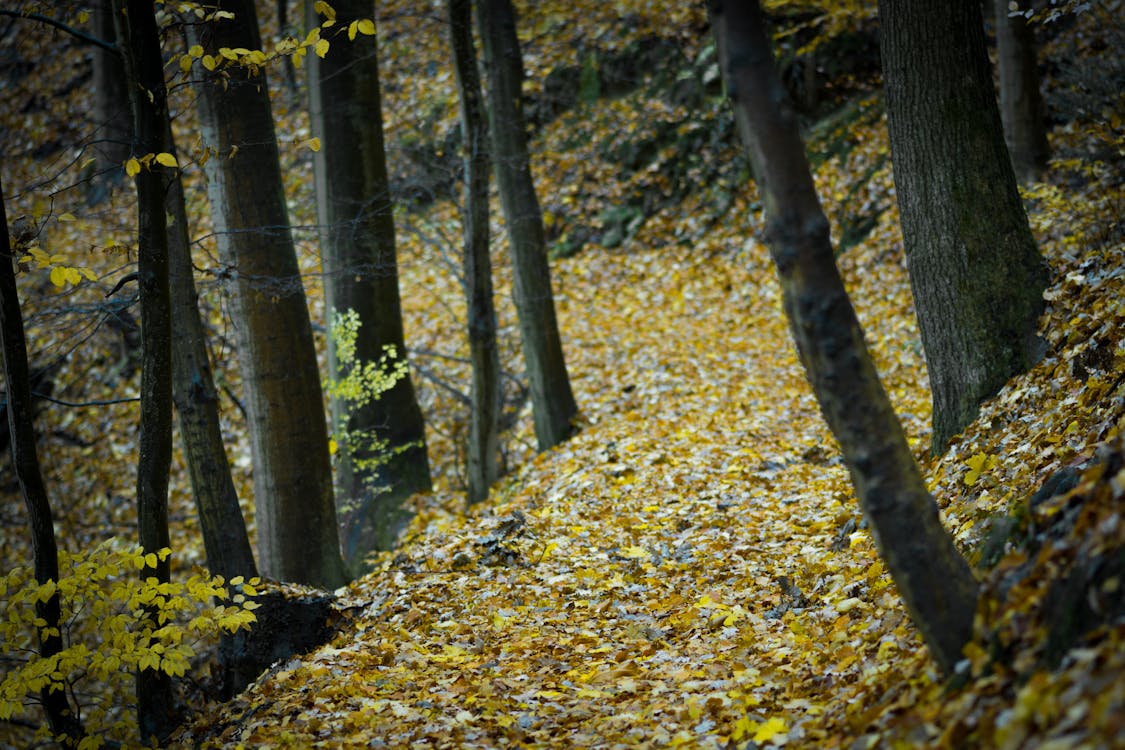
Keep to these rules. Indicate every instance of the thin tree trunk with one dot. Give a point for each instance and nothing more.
(1021, 105)
(932, 577)
(975, 270)
(21, 424)
(286, 60)
(112, 119)
(139, 41)
(225, 539)
(483, 352)
(361, 274)
(295, 513)
(551, 396)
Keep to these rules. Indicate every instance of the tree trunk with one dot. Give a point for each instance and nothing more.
(382, 460)
(975, 270)
(296, 517)
(932, 577)
(1021, 105)
(551, 396)
(114, 127)
(193, 391)
(483, 351)
(139, 40)
(25, 461)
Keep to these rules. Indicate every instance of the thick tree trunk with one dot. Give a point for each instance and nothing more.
(1021, 105)
(383, 460)
(483, 352)
(551, 395)
(932, 577)
(139, 41)
(25, 461)
(225, 539)
(975, 270)
(296, 517)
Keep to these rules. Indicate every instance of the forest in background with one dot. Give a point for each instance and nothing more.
(691, 567)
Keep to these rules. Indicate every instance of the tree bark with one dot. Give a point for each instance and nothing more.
(1021, 105)
(384, 460)
(113, 121)
(225, 539)
(139, 41)
(933, 579)
(551, 396)
(975, 270)
(296, 517)
(25, 461)
(483, 352)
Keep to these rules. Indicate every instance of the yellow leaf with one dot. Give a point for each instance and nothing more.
(58, 276)
(324, 9)
(978, 464)
(83, 16)
(767, 730)
(150, 560)
(333, 446)
(67, 217)
(634, 553)
(352, 29)
(313, 144)
(167, 159)
(196, 50)
(321, 48)
(366, 26)
(185, 63)
(46, 591)
(209, 62)
(228, 53)
(132, 167)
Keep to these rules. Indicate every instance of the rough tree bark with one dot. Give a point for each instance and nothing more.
(483, 352)
(139, 40)
(225, 539)
(1021, 104)
(932, 577)
(25, 461)
(975, 270)
(295, 511)
(357, 235)
(551, 396)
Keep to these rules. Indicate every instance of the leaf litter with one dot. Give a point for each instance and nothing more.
(691, 569)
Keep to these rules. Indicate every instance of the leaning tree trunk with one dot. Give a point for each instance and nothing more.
(932, 577)
(61, 718)
(551, 397)
(139, 40)
(225, 539)
(483, 353)
(1021, 105)
(296, 516)
(976, 272)
(382, 458)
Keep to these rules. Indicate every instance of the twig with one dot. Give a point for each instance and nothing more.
(107, 46)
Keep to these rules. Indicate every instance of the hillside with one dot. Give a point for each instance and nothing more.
(691, 569)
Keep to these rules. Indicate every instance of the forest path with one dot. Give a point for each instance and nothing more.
(686, 568)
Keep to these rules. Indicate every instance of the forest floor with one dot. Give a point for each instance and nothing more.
(691, 568)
